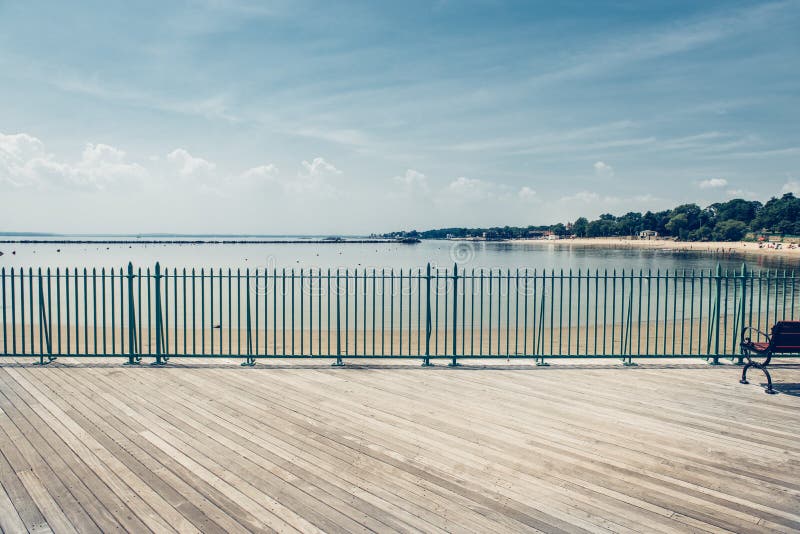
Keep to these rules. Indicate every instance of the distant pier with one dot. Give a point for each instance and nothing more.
(206, 241)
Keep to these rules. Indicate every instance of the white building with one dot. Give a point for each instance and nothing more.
(648, 234)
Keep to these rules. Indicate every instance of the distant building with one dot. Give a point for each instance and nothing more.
(550, 235)
(648, 234)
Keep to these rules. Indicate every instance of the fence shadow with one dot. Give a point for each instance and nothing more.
(404, 364)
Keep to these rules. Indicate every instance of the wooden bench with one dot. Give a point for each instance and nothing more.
(784, 339)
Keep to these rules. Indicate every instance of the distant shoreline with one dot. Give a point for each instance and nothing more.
(715, 247)
(312, 241)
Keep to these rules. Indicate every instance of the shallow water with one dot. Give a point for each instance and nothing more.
(377, 255)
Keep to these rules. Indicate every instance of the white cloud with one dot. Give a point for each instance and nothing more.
(261, 174)
(100, 153)
(102, 165)
(470, 188)
(791, 186)
(587, 197)
(712, 183)
(603, 169)
(24, 162)
(473, 189)
(526, 193)
(319, 167)
(315, 177)
(190, 166)
(19, 147)
(22, 157)
(413, 182)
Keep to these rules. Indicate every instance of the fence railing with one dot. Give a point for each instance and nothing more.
(429, 313)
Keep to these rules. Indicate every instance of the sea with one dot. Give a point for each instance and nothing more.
(314, 252)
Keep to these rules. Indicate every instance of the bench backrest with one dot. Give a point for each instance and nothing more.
(786, 337)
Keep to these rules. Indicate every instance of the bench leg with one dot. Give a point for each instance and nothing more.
(744, 373)
(769, 389)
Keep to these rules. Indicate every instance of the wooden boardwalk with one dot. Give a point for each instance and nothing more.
(202, 447)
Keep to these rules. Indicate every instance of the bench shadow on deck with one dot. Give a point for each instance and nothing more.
(211, 447)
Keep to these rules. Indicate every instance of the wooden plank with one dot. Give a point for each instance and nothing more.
(15, 448)
(266, 520)
(272, 511)
(380, 449)
(722, 518)
(107, 512)
(189, 502)
(443, 478)
(314, 472)
(185, 436)
(10, 521)
(51, 510)
(428, 528)
(792, 517)
(563, 426)
(24, 506)
(147, 505)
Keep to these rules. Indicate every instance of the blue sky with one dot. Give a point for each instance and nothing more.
(352, 117)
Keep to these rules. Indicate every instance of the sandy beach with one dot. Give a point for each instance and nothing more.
(713, 247)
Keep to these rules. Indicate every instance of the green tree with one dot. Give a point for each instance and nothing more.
(678, 225)
(730, 230)
(629, 224)
(737, 210)
(704, 233)
(656, 221)
(778, 214)
(580, 226)
(600, 228)
(684, 219)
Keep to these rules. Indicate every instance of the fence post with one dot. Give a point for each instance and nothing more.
(427, 361)
(338, 362)
(133, 358)
(716, 319)
(628, 338)
(251, 361)
(538, 347)
(742, 310)
(159, 320)
(43, 326)
(454, 362)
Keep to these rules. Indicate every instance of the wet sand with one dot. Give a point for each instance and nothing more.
(643, 339)
(712, 247)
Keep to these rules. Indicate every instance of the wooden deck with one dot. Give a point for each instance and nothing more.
(200, 447)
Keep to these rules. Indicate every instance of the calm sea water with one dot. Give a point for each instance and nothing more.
(380, 256)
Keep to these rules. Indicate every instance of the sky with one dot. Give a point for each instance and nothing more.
(353, 117)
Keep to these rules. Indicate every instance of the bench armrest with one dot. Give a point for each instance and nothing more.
(746, 339)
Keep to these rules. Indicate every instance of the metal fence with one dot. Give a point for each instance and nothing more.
(425, 313)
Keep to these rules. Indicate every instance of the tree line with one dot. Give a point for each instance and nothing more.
(721, 221)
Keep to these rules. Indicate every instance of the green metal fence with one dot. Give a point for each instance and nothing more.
(429, 313)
